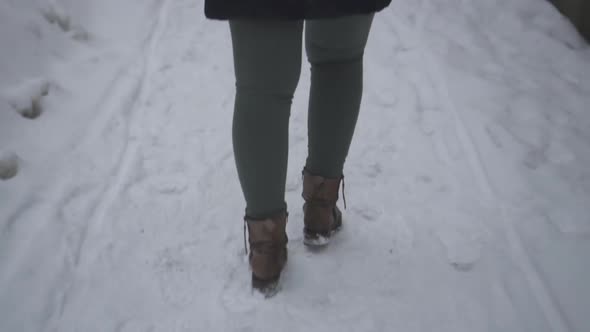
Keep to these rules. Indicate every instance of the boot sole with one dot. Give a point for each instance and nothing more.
(318, 240)
(267, 287)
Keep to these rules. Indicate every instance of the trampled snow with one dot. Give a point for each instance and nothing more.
(468, 183)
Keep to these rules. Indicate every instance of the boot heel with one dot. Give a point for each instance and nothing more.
(316, 240)
(268, 252)
(267, 287)
(321, 217)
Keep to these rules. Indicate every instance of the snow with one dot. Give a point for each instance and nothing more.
(467, 184)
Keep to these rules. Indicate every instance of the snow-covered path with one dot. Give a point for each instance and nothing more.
(468, 182)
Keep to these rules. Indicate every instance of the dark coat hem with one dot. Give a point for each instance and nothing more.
(291, 10)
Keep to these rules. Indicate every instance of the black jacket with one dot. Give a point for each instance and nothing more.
(290, 9)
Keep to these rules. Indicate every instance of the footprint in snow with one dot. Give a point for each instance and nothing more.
(176, 270)
(374, 170)
(462, 253)
(571, 218)
(293, 185)
(367, 213)
(26, 98)
(535, 158)
(170, 185)
(8, 165)
(494, 136)
(132, 325)
(237, 296)
(423, 179)
(463, 242)
(55, 13)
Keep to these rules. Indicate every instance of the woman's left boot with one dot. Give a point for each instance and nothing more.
(268, 251)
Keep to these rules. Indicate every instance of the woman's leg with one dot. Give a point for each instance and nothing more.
(267, 60)
(335, 49)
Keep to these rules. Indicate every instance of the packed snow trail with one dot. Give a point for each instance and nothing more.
(553, 315)
(466, 182)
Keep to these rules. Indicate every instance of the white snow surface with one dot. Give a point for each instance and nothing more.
(468, 183)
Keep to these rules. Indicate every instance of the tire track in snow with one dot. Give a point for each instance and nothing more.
(542, 294)
(129, 152)
(133, 91)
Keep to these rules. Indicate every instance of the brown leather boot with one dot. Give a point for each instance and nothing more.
(322, 218)
(268, 251)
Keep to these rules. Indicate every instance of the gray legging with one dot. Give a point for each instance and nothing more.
(267, 59)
